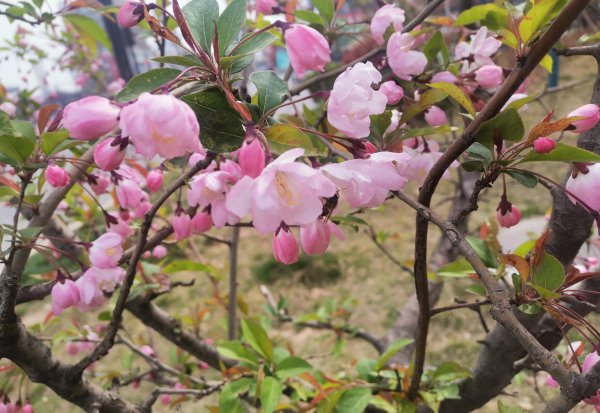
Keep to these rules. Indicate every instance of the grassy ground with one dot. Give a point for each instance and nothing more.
(369, 280)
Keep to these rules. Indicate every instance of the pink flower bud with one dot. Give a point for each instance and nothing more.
(510, 217)
(315, 237)
(130, 14)
(101, 184)
(591, 114)
(265, 6)
(106, 251)
(166, 399)
(182, 225)
(72, 348)
(136, 384)
(307, 48)
(147, 350)
(285, 246)
(543, 145)
(435, 116)
(550, 382)
(107, 155)
(154, 180)
(392, 91)
(64, 295)
(447, 77)
(129, 194)
(90, 117)
(57, 176)
(27, 408)
(489, 76)
(201, 222)
(159, 252)
(251, 158)
(203, 365)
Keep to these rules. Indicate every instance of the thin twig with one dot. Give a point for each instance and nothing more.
(233, 266)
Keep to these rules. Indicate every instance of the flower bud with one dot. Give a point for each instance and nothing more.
(315, 237)
(584, 184)
(27, 408)
(285, 246)
(543, 145)
(130, 14)
(159, 252)
(435, 116)
(182, 225)
(166, 399)
(201, 222)
(307, 48)
(591, 114)
(508, 215)
(265, 6)
(392, 91)
(57, 176)
(447, 77)
(108, 154)
(251, 158)
(100, 184)
(489, 76)
(90, 117)
(64, 294)
(154, 180)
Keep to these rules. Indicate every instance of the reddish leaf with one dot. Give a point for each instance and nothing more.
(44, 116)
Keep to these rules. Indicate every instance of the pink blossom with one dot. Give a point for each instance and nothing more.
(144, 206)
(586, 186)
(129, 194)
(72, 347)
(106, 251)
(106, 278)
(159, 252)
(447, 77)
(115, 86)
(543, 145)
(508, 216)
(421, 161)
(251, 158)
(477, 53)
(403, 61)
(56, 176)
(591, 114)
(383, 18)
(166, 399)
(434, 116)
(307, 48)
(392, 91)
(489, 76)
(265, 6)
(89, 291)
(108, 154)
(315, 236)
(27, 408)
(121, 227)
(147, 350)
(182, 225)
(201, 222)
(154, 180)
(161, 125)
(64, 295)
(590, 361)
(90, 117)
(196, 157)
(285, 246)
(130, 14)
(9, 108)
(353, 100)
(394, 121)
(285, 191)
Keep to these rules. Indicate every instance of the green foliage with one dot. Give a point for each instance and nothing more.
(257, 337)
(354, 400)
(309, 270)
(490, 15)
(563, 153)
(230, 23)
(525, 178)
(457, 94)
(430, 97)
(89, 30)
(507, 125)
(270, 393)
(146, 82)
(201, 17)
(550, 273)
(391, 351)
(270, 88)
(283, 137)
(436, 49)
(456, 269)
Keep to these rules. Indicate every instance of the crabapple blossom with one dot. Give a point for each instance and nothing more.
(285, 246)
(478, 51)
(27, 408)
(182, 226)
(251, 158)
(435, 116)
(201, 222)
(315, 236)
(64, 294)
(383, 18)
(161, 125)
(353, 100)
(106, 251)
(108, 154)
(392, 91)
(56, 176)
(107, 278)
(130, 14)
(154, 180)
(89, 291)
(265, 6)
(121, 227)
(285, 191)
(9, 108)
(307, 49)
(544, 145)
(403, 61)
(508, 215)
(446, 76)
(422, 159)
(159, 252)
(585, 186)
(129, 194)
(489, 76)
(591, 114)
(90, 117)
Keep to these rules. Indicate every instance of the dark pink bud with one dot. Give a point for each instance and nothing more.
(591, 114)
(108, 154)
(285, 246)
(543, 145)
(130, 14)
(201, 222)
(182, 225)
(251, 158)
(154, 180)
(392, 91)
(57, 176)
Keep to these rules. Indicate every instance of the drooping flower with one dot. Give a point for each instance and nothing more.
(129, 194)
(315, 236)
(586, 186)
(544, 145)
(89, 291)
(251, 158)
(285, 246)
(477, 53)
(90, 118)
(106, 250)
(107, 278)
(154, 180)
(130, 14)
(64, 294)
(435, 116)
(108, 154)
(392, 91)
(307, 48)
(161, 125)
(265, 6)
(353, 100)
(591, 114)
(56, 176)
(403, 61)
(182, 226)
(286, 191)
(201, 222)
(489, 76)
(446, 76)
(508, 215)
(383, 18)
(422, 159)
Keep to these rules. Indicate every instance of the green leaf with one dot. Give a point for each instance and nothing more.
(450, 371)
(146, 82)
(253, 44)
(326, 9)
(477, 289)
(546, 63)
(482, 12)
(230, 23)
(291, 366)
(550, 274)
(533, 308)
(270, 393)
(50, 140)
(8, 192)
(483, 251)
(201, 17)
(391, 352)
(354, 400)
(517, 283)
(507, 124)
(228, 399)
(525, 178)
(430, 97)
(6, 127)
(479, 152)
(186, 60)
(15, 149)
(257, 337)
(270, 88)
(523, 249)
(431, 130)
(457, 94)
(456, 269)
(519, 103)
(24, 129)
(237, 351)
(310, 17)
(545, 293)
(535, 18)
(563, 153)
(436, 46)
(194, 266)
(89, 26)
(221, 126)
(502, 408)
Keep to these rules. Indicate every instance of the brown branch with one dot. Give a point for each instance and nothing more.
(233, 284)
(563, 403)
(474, 305)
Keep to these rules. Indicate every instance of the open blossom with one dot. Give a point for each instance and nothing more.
(64, 295)
(90, 293)
(121, 227)
(107, 278)
(543, 145)
(403, 61)
(307, 48)
(285, 246)
(353, 100)
(182, 226)
(90, 117)
(285, 191)
(315, 237)
(392, 91)
(591, 114)
(130, 14)
(251, 158)
(56, 176)
(161, 125)
(106, 251)
(154, 180)
(434, 116)
(383, 18)
(422, 159)
(129, 194)
(478, 51)
(108, 154)
(586, 186)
